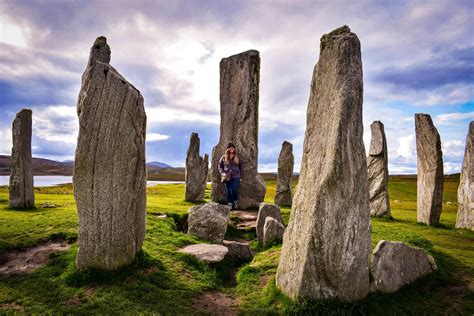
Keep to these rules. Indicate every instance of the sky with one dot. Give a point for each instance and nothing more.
(418, 57)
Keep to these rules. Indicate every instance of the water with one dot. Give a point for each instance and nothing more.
(49, 181)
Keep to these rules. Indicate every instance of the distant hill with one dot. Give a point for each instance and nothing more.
(158, 164)
(41, 167)
(156, 170)
(46, 167)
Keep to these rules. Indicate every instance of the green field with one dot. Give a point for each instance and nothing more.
(162, 281)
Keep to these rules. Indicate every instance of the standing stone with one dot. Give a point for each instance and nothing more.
(465, 218)
(377, 168)
(326, 247)
(273, 230)
(196, 171)
(239, 93)
(285, 172)
(21, 178)
(266, 210)
(429, 198)
(109, 169)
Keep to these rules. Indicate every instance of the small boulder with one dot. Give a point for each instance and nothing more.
(48, 205)
(209, 221)
(238, 250)
(395, 265)
(266, 210)
(206, 252)
(272, 231)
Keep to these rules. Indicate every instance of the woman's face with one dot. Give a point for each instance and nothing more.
(231, 150)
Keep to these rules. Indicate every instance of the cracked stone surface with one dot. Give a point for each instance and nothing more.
(239, 96)
(109, 170)
(377, 168)
(21, 193)
(429, 199)
(326, 246)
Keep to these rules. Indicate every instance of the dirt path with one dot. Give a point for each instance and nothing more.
(28, 259)
(246, 218)
(216, 303)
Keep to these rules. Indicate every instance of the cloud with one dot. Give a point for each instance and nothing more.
(171, 51)
(455, 66)
(153, 137)
(407, 146)
(11, 34)
(453, 118)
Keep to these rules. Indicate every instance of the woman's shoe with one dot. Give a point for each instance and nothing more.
(235, 206)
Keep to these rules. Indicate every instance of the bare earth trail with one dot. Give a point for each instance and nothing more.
(215, 302)
(29, 259)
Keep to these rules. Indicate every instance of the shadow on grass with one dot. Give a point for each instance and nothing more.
(443, 292)
(145, 286)
(23, 209)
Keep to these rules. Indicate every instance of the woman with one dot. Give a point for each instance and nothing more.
(231, 170)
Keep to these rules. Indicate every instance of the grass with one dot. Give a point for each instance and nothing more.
(449, 291)
(162, 281)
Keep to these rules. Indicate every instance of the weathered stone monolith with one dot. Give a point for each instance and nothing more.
(465, 218)
(377, 166)
(239, 93)
(326, 246)
(285, 172)
(21, 178)
(430, 171)
(109, 169)
(196, 171)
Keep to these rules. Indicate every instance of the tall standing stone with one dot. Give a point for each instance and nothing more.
(326, 245)
(109, 169)
(377, 166)
(196, 171)
(465, 218)
(285, 172)
(429, 198)
(239, 93)
(21, 178)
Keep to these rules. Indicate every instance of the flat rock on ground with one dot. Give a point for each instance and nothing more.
(206, 252)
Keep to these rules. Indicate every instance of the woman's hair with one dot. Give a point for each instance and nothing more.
(227, 156)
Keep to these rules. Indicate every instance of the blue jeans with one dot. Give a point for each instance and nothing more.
(231, 190)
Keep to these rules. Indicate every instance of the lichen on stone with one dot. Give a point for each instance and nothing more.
(326, 38)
